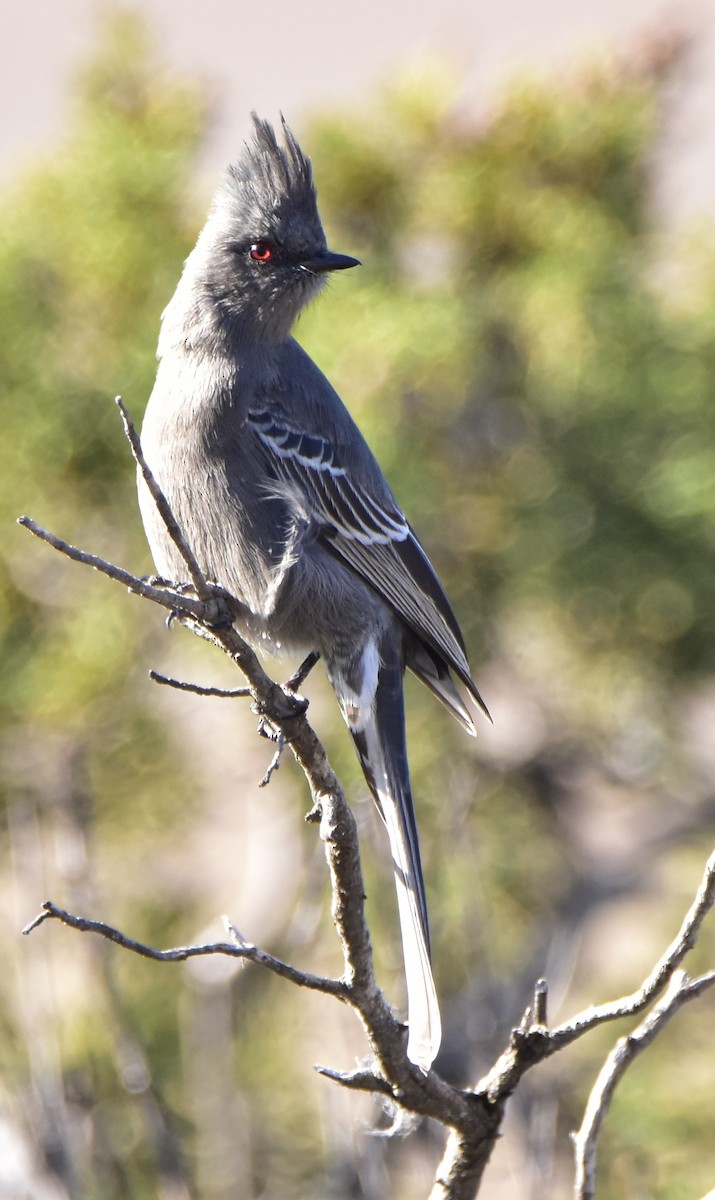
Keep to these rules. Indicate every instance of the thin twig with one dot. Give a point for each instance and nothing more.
(358, 1081)
(531, 1043)
(237, 948)
(275, 761)
(173, 528)
(171, 598)
(197, 689)
(541, 1001)
(299, 677)
(680, 989)
(659, 977)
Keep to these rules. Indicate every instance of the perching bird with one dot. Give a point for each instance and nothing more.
(285, 506)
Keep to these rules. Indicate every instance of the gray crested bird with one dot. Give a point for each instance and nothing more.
(285, 506)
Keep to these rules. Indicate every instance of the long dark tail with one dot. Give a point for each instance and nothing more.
(378, 729)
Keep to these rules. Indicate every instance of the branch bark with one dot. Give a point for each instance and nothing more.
(236, 948)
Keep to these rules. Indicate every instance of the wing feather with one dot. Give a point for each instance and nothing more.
(369, 532)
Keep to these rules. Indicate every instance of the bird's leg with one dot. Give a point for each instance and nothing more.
(299, 677)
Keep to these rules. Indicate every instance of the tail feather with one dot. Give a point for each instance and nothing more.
(434, 671)
(379, 736)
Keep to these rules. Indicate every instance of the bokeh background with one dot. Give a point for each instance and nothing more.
(530, 348)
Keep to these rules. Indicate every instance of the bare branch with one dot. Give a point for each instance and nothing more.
(167, 597)
(473, 1117)
(299, 677)
(358, 1081)
(197, 689)
(660, 975)
(275, 761)
(162, 506)
(680, 989)
(237, 948)
(284, 714)
(532, 1041)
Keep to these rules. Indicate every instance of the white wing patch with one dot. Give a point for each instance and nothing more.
(310, 450)
(309, 462)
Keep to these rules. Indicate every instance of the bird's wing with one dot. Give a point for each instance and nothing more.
(368, 530)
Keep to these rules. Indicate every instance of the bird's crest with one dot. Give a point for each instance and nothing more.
(269, 176)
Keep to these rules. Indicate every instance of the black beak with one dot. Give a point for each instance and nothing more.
(325, 260)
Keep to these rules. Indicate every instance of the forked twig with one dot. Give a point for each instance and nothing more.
(236, 948)
(680, 989)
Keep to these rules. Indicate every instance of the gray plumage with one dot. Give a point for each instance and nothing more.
(285, 506)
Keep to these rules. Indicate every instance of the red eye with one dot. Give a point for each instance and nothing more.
(261, 252)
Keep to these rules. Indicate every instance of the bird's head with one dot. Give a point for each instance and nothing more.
(263, 253)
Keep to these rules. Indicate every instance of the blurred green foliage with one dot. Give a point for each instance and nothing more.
(534, 375)
(531, 368)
